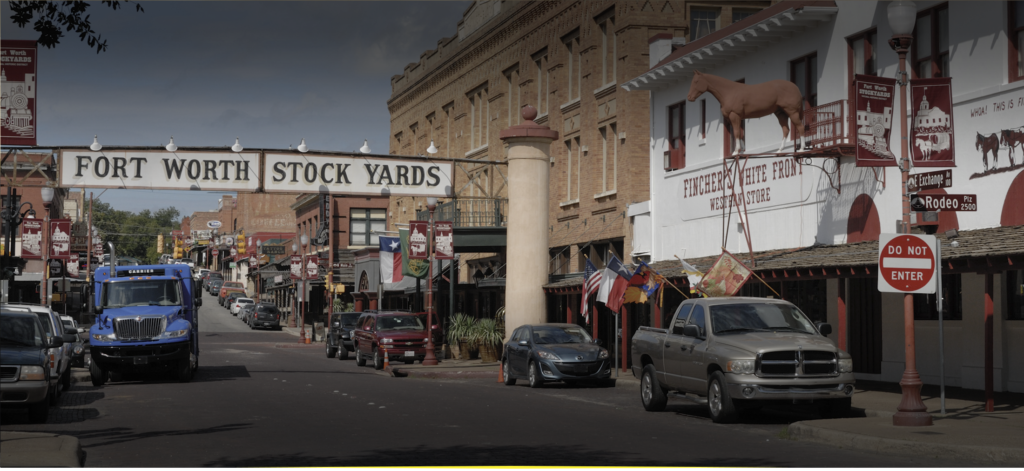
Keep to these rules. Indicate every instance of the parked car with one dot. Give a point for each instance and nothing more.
(60, 357)
(210, 278)
(246, 311)
(77, 347)
(339, 336)
(25, 379)
(265, 316)
(554, 352)
(227, 288)
(239, 302)
(215, 286)
(402, 334)
(200, 274)
(741, 353)
(229, 300)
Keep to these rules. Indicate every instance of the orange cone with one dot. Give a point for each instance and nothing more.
(501, 372)
(386, 363)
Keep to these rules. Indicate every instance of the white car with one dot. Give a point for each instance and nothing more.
(60, 357)
(237, 305)
(200, 273)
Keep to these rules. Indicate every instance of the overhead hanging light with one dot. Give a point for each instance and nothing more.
(431, 149)
(302, 146)
(170, 145)
(366, 147)
(95, 147)
(237, 147)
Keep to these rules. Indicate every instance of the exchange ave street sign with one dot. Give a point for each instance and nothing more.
(930, 180)
(920, 202)
(906, 263)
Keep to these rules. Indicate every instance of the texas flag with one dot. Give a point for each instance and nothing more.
(614, 281)
(390, 259)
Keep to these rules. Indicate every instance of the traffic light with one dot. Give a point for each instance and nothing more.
(160, 243)
(240, 242)
(179, 251)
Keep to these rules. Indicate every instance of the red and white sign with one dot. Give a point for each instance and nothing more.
(32, 239)
(234, 251)
(312, 267)
(296, 268)
(18, 87)
(73, 266)
(906, 263)
(60, 238)
(216, 252)
(418, 240)
(874, 102)
(931, 131)
(444, 246)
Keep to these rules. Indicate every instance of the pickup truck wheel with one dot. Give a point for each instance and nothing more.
(331, 351)
(506, 374)
(37, 412)
(360, 361)
(651, 394)
(55, 393)
(720, 405)
(535, 377)
(97, 375)
(378, 361)
(66, 379)
(342, 353)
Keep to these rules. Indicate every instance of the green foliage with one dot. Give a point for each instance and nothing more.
(487, 332)
(459, 328)
(67, 15)
(134, 234)
(341, 306)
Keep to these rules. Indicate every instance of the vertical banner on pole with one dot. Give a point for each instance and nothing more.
(60, 239)
(31, 239)
(296, 268)
(19, 90)
(418, 240)
(931, 131)
(73, 266)
(873, 102)
(444, 248)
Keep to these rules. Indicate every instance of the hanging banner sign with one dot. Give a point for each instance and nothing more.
(290, 173)
(60, 239)
(18, 88)
(272, 249)
(312, 267)
(73, 266)
(444, 248)
(156, 170)
(32, 239)
(931, 134)
(874, 107)
(418, 240)
(296, 268)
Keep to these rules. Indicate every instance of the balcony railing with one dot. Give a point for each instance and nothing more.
(471, 212)
(829, 125)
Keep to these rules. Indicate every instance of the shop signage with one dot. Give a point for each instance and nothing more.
(312, 267)
(766, 183)
(296, 268)
(272, 249)
(444, 249)
(930, 180)
(418, 240)
(32, 239)
(906, 263)
(213, 224)
(343, 265)
(931, 134)
(73, 266)
(874, 106)
(920, 202)
(160, 170)
(234, 251)
(56, 268)
(60, 238)
(279, 279)
(290, 173)
(19, 92)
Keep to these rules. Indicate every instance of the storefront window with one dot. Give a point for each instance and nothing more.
(1015, 295)
(952, 308)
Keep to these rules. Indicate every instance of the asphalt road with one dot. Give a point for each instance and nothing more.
(260, 399)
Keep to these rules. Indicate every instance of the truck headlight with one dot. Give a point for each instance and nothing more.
(846, 365)
(385, 340)
(104, 337)
(603, 355)
(547, 355)
(32, 373)
(173, 334)
(742, 367)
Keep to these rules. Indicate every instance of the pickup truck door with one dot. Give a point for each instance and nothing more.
(670, 368)
(692, 371)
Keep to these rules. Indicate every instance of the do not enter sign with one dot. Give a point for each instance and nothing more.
(906, 263)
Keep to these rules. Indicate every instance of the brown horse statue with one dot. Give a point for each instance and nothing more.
(741, 101)
(988, 144)
(1011, 138)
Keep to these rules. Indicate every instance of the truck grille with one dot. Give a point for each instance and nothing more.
(797, 363)
(8, 373)
(136, 328)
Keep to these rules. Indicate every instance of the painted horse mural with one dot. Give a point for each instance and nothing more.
(741, 101)
(1011, 138)
(988, 144)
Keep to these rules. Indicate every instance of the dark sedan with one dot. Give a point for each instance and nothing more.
(339, 337)
(265, 316)
(246, 311)
(554, 352)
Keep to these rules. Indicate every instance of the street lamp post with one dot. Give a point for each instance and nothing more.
(430, 358)
(304, 240)
(13, 217)
(259, 249)
(911, 411)
(47, 194)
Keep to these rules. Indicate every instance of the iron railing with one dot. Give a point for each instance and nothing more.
(829, 125)
(471, 212)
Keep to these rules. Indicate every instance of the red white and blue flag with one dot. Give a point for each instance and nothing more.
(591, 282)
(390, 259)
(614, 281)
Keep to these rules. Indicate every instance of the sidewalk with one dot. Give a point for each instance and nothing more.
(965, 433)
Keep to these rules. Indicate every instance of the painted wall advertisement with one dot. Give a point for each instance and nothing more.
(32, 239)
(931, 131)
(18, 87)
(760, 184)
(874, 106)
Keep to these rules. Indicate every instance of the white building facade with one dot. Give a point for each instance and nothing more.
(827, 203)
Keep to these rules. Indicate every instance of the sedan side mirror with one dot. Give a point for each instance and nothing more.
(598, 342)
(824, 328)
(691, 330)
(524, 343)
(70, 331)
(69, 338)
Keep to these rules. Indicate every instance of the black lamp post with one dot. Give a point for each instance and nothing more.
(12, 217)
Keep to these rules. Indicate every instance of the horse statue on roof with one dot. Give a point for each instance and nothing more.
(741, 101)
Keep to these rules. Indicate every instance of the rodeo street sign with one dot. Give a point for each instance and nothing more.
(943, 202)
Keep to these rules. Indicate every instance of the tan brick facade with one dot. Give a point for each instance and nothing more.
(568, 60)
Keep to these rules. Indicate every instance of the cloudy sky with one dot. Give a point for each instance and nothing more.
(270, 73)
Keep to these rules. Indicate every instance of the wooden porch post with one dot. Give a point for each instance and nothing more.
(989, 309)
(841, 328)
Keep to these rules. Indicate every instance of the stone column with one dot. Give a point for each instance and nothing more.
(529, 155)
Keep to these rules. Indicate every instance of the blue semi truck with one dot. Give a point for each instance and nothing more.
(147, 319)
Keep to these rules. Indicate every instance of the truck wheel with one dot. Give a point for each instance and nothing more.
(115, 376)
(55, 393)
(507, 375)
(97, 374)
(536, 380)
(378, 361)
(720, 405)
(360, 361)
(331, 351)
(66, 379)
(37, 412)
(835, 408)
(342, 353)
(184, 371)
(651, 394)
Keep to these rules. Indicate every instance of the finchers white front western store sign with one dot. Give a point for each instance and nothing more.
(154, 170)
(290, 173)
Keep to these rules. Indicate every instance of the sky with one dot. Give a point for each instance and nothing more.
(269, 73)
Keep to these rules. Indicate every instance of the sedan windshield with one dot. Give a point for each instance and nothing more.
(558, 334)
(400, 323)
(141, 293)
(759, 317)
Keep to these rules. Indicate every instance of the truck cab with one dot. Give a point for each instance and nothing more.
(147, 318)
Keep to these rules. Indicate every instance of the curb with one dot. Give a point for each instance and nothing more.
(808, 432)
(28, 449)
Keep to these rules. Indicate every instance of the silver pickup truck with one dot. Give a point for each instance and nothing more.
(739, 353)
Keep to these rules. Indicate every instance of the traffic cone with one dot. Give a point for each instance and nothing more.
(501, 372)
(386, 363)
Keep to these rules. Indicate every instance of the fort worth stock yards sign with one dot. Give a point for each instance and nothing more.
(243, 171)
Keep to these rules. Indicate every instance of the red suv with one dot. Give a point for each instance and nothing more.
(403, 334)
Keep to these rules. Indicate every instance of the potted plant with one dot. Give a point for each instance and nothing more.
(458, 334)
(488, 334)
